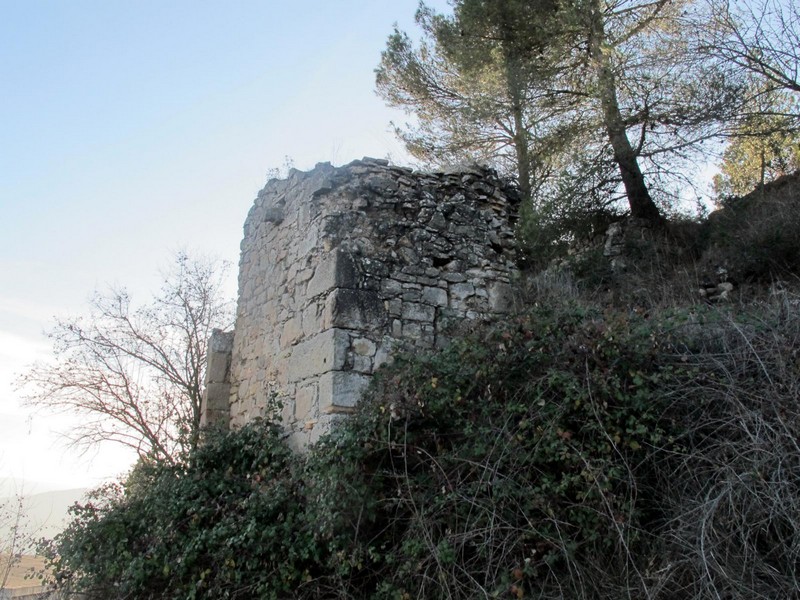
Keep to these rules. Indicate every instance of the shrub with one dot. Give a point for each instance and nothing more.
(228, 524)
(757, 237)
(734, 493)
(518, 460)
(570, 452)
(551, 225)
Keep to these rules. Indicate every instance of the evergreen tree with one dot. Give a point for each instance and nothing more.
(764, 147)
(468, 84)
(609, 79)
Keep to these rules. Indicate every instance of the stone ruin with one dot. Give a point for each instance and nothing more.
(342, 266)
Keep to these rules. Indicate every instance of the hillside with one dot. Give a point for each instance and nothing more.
(630, 430)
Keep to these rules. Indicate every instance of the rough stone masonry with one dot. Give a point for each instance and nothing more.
(342, 266)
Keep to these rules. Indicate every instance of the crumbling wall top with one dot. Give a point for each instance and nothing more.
(340, 266)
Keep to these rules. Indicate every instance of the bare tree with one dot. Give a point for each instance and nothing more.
(761, 37)
(135, 375)
(13, 536)
(758, 42)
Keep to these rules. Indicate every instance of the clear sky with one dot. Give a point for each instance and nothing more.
(132, 129)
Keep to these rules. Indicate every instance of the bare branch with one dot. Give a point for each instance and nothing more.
(135, 375)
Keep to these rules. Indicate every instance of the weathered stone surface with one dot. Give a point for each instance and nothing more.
(459, 293)
(216, 418)
(340, 266)
(435, 296)
(221, 341)
(217, 396)
(501, 297)
(354, 309)
(364, 347)
(292, 331)
(418, 312)
(340, 389)
(218, 365)
(215, 404)
(324, 352)
(335, 271)
(305, 400)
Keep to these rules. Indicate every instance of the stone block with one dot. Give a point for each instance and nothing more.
(413, 311)
(217, 367)
(427, 335)
(341, 389)
(215, 418)
(335, 270)
(287, 409)
(362, 364)
(305, 402)
(397, 328)
(221, 341)
(448, 278)
(324, 352)
(459, 293)
(383, 353)
(291, 332)
(312, 319)
(364, 347)
(308, 241)
(354, 309)
(501, 297)
(412, 331)
(218, 396)
(435, 296)
(395, 307)
(391, 287)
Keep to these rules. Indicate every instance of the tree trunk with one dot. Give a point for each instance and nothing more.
(516, 92)
(523, 157)
(639, 200)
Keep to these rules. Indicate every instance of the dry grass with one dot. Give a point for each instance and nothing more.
(23, 571)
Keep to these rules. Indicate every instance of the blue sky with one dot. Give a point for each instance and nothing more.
(130, 130)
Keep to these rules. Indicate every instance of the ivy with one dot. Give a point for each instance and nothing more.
(528, 459)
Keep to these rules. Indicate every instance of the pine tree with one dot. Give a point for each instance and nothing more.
(541, 80)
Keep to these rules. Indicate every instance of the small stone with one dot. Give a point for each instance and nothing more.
(364, 347)
(375, 161)
(435, 296)
(453, 277)
(395, 307)
(397, 328)
(459, 292)
(362, 364)
(418, 312)
(391, 287)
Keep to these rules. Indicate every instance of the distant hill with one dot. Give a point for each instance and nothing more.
(45, 513)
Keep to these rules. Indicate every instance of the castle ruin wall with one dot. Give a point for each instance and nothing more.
(341, 266)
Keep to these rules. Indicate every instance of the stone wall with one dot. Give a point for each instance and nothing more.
(217, 393)
(342, 266)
